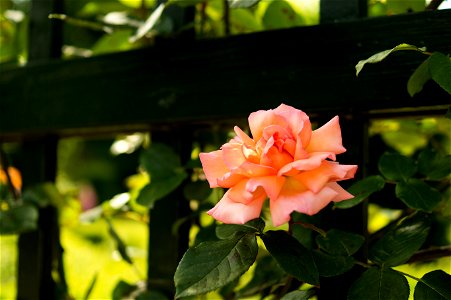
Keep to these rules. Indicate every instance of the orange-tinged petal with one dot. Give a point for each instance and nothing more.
(14, 175)
(261, 119)
(328, 171)
(231, 212)
(250, 169)
(214, 166)
(271, 184)
(229, 179)
(342, 194)
(233, 155)
(297, 120)
(244, 137)
(327, 138)
(295, 197)
(313, 161)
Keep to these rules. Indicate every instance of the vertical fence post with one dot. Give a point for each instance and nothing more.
(39, 252)
(167, 243)
(355, 139)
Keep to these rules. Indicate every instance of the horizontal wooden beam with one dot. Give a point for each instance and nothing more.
(211, 80)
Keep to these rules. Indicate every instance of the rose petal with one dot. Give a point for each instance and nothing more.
(214, 166)
(317, 178)
(233, 155)
(298, 121)
(261, 119)
(244, 137)
(342, 194)
(313, 161)
(231, 212)
(327, 138)
(295, 197)
(229, 179)
(271, 184)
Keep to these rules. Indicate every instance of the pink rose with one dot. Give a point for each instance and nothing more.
(284, 160)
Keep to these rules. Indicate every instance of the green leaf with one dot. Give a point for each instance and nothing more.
(378, 284)
(122, 290)
(159, 188)
(226, 231)
(294, 258)
(211, 265)
(418, 78)
(298, 295)
(403, 6)
(280, 14)
(383, 54)
(339, 242)
(361, 190)
(434, 165)
(242, 3)
(417, 194)
(401, 241)
(114, 42)
(161, 161)
(440, 69)
(267, 273)
(120, 245)
(43, 194)
(329, 265)
(396, 167)
(185, 3)
(435, 285)
(18, 219)
(151, 295)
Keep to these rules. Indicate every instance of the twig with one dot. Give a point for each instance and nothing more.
(226, 18)
(430, 254)
(434, 4)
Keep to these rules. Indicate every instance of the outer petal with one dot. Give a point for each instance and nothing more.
(261, 119)
(214, 166)
(296, 198)
(231, 212)
(342, 194)
(327, 138)
(317, 178)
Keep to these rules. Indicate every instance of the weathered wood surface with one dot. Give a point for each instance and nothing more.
(210, 80)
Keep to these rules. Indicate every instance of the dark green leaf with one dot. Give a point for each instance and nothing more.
(211, 265)
(242, 3)
(379, 284)
(158, 188)
(121, 247)
(226, 231)
(383, 54)
(43, 194)
(329, 265)
(434, 165)
(198, 190)
(361, 190)
(294, 258)
(339, 242)
(298, 295)
(267, 273)
(160, 161)
(419, 77)
(401, 241)
(18, 219)
(440, 69)
(417, 194)
(122, 290)
(435, 285)
(396, 167)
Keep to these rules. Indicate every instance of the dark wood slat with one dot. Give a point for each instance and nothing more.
(209, 80)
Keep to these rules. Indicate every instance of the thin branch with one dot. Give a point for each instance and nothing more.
(430, 254)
